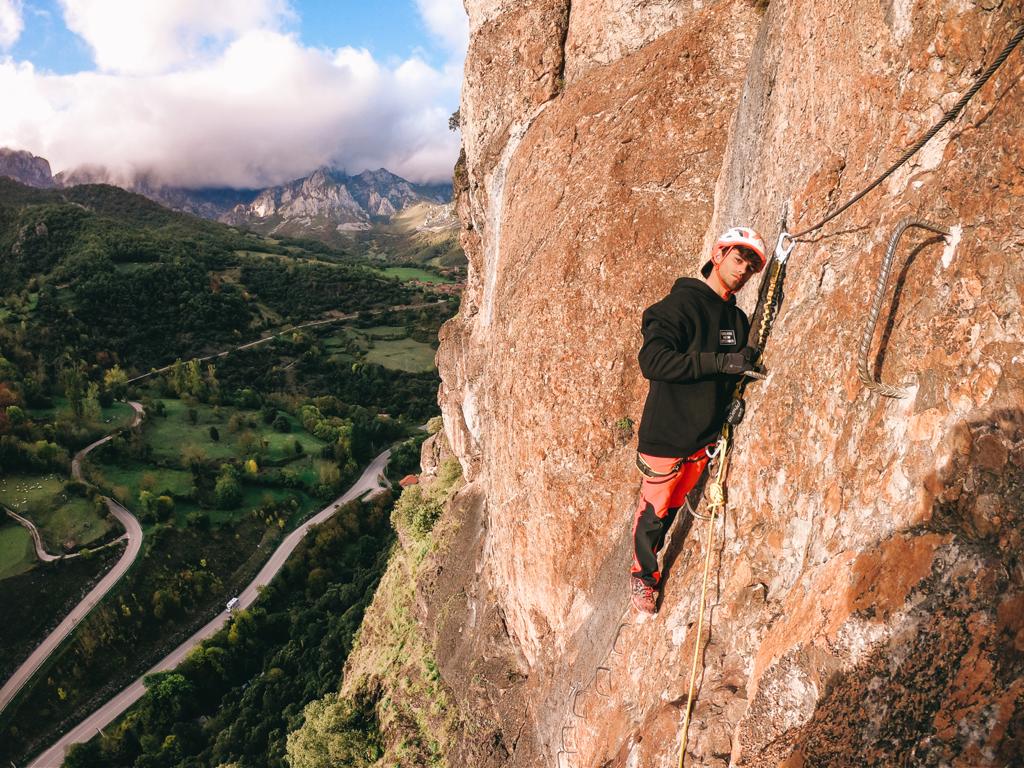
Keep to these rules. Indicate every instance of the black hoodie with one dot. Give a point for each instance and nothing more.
(688, 400)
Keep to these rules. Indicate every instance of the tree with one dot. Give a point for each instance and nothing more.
(15, 415)
(115, 381)
(192, 456)
(72, 380)
(194, 379)
(227, 490)
(164, 506)
(214, 433)
(179, 378)
(335, 731)
(146, 505)
(166, 604)
(281, 423)
(91, 410)
(212, 383)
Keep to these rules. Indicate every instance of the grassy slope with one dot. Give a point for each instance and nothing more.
(60, 516)
(392, 660)
(16, 551)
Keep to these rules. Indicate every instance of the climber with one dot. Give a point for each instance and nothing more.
(694, 352)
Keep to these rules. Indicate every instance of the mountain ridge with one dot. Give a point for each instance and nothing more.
(328, 204)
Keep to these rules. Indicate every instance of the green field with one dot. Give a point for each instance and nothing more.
(169, 436)
(387, 345)
(61, 517)
(384, 332)
(125, 480)
(29, 494)
(407, 274)
(402, 355)
(75, 522)
(16, 551)
(116, 416)
(241, 434)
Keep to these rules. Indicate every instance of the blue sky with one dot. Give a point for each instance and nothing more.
(233, 92)
(390, 29)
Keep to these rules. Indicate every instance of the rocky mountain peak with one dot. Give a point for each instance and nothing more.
(26, 168)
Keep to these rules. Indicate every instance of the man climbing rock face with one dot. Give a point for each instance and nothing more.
(694, 352)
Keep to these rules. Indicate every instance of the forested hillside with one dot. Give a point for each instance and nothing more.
(105, 297)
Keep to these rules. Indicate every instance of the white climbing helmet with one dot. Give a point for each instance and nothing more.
(743, 237)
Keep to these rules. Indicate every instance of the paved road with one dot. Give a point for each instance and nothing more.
(134, 533)
(369, 481)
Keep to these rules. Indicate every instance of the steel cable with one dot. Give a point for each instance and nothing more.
(950, 114)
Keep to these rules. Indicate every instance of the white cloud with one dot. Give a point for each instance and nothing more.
(447, 20)
(11, 23)
(264, 111)
(219, 93)
(153, 36)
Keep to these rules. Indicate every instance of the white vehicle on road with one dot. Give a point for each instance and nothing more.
(231, 604)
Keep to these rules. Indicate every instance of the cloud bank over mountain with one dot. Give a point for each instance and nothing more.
(225, 94)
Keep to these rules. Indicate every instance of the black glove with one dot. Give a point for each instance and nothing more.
(743, 362)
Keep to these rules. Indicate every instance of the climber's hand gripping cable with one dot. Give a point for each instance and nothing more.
(742, 363)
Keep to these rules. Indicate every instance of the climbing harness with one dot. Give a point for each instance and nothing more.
(887, 390)
(649, 471)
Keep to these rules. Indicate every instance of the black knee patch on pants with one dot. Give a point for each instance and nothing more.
(649, 539)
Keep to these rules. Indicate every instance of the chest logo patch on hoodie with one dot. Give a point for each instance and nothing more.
(727, 337)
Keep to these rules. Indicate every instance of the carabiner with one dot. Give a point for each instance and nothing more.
(782, 251)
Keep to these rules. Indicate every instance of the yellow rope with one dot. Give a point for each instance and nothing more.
(716, 500)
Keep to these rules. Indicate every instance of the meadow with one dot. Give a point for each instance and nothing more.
(66, 521)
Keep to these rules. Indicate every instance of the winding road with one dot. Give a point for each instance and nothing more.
(133, 533)
(369, 481)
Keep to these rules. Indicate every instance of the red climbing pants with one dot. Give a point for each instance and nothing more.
(661, 497)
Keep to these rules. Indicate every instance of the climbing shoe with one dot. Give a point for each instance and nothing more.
(645, 597)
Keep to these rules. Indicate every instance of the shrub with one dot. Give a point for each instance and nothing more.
(227, 490)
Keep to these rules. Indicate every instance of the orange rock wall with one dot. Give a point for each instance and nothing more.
(867, 588)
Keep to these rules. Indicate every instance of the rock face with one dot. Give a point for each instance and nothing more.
(26, 168)
(867, 600)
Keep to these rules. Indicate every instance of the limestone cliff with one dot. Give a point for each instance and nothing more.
(867, 600)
